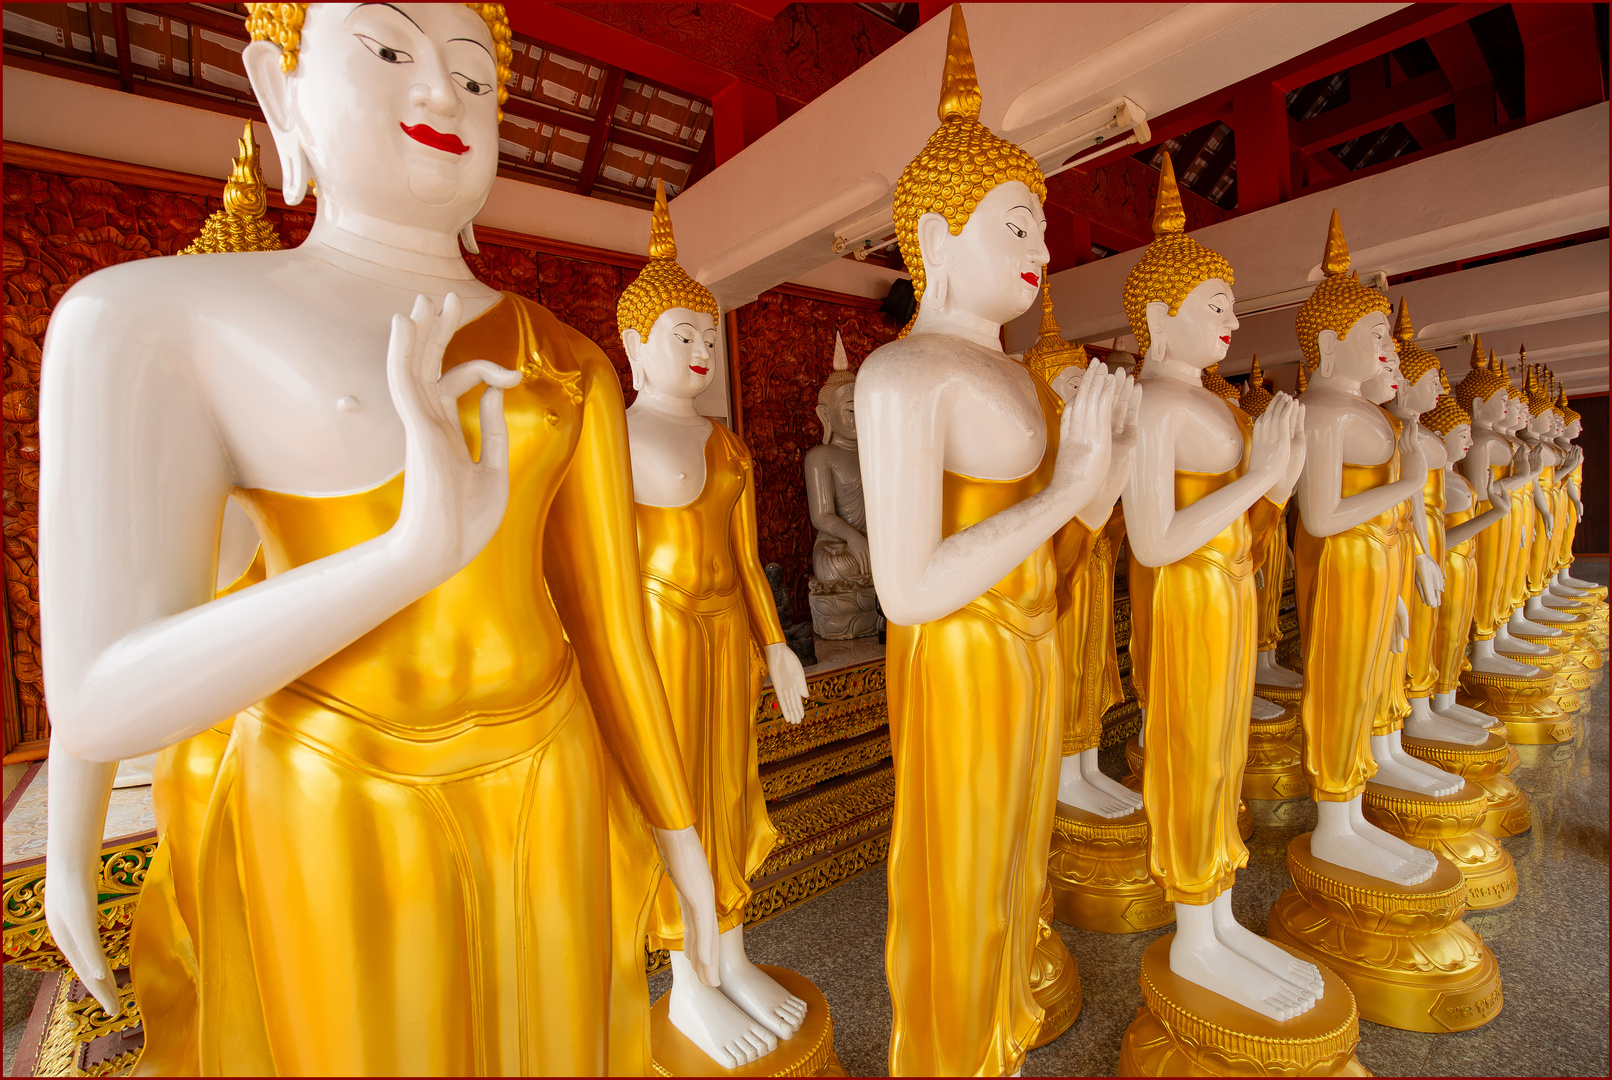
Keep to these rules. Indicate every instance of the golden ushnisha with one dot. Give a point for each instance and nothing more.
(662, 284)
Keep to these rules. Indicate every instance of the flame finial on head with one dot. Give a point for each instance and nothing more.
(1051, 353)
(1255, 398)
(662, 284)
(960, 97)
(1414, 361)
(240, 226)
(1169, 216)
(1304, 380)
(960, 164)
(1172, 266)
(842, 375)
(1339, 301)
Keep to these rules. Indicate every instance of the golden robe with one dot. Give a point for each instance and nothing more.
(1421, 672)
(1489, 564)
(1514, 585)
(1268, 520)
(705, 600)
(1454, 620)
(1539, 545)
(1571, 532)
(975, 709)
(1086, 640)
(1200, 616)
(1346, 586)
(407, 858)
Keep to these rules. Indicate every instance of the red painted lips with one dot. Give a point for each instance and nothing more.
(1031, 278)
(437, 140)
(1225, 339)
(696, 369)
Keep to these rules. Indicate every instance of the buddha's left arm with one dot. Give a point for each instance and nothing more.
(744, 540)
(591, 552)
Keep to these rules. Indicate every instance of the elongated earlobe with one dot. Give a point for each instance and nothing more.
(467, 237)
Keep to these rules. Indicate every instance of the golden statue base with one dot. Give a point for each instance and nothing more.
(1405, 951)
(1184, 1030)
(1054, 978)
(1450, 826)
(1523, 702)
(809, 1053)
(1134, 757)
(1098, 873)
(1572, 677)
(1288, 697)
(1275, 768)
(1486, 766)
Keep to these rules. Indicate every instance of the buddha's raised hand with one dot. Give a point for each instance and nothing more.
(1271, 442)
(1085, 440)
(452, 505)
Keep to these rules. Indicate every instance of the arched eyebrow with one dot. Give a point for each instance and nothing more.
(394, 7)
(472, 41)
(1021, 206)
(690, 325)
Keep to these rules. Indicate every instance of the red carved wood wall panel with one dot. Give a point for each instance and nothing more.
(786, 350)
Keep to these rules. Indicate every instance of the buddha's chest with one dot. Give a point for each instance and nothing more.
(304, 404)
(997, 429)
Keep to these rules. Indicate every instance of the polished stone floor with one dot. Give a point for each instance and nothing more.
(1551, 942)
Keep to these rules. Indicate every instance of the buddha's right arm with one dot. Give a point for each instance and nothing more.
(1323, 508)
(590, 551)
(138, 653)
(921, 575)
(1459, 534)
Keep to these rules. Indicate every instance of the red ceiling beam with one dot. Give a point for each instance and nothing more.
(609, 94)
(1461, 59)
(1561, 64)
(579, 34)
(1414, 97)
(1386, 34)
(1264, 151)
(741, 114)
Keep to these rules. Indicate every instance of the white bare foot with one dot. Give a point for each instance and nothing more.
(1267, 672)
(1520, 624)
(1075, 790)
(1198, 956)
(1095, 776)
(713, 1023)
(1263, 710)
(756, 992)
(1486, 660)
(1336, 840)
(1256, 950)
(1552, 597)
(1578, 583)
(1517, 646)
(1398, 769)
(1542, 614)
(1388, 841)
(1424, 723)
(1445, 706)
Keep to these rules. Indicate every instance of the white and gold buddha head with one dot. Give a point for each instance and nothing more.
(1255, 399)
(1484, 393)
(968, 211)
(392, 108)
(1572, 421)
(1450, 420)
(1541, 407)
(1421, 376)
(667, 319)
(836, 398)
(1343, 327)
(1178, 298)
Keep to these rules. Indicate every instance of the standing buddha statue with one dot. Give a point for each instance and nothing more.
(1086, 608)
(448, 722)
(956, 435)
(1496, 469)
(708, 606)
(1420, 385)
(1272, 679)
(1363, 466)
(1573, 427)
(1200, 465)
(1536, 433)
(844, 604)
